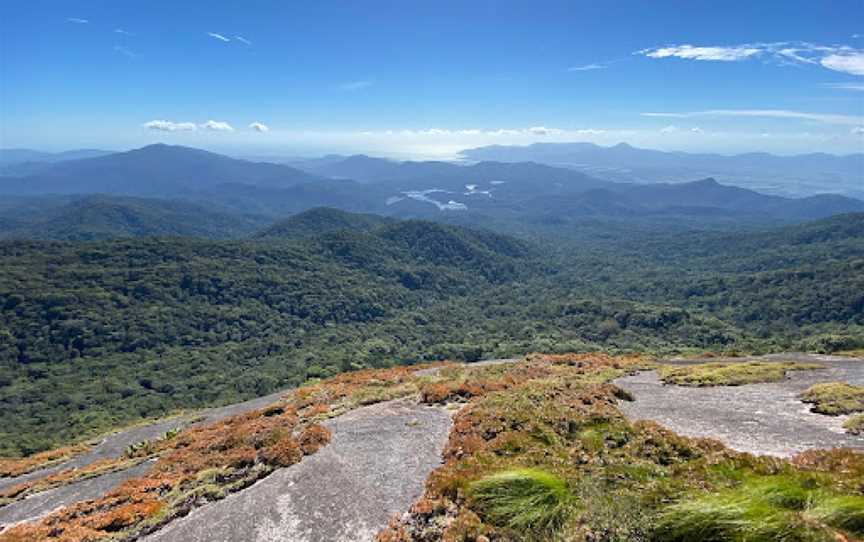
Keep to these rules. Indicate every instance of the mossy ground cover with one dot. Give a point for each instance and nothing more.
(855, 424)
(541, 452)
(206, 463)
(731, 374)
(835, 398)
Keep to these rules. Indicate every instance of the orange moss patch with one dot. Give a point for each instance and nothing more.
(283, 453)
(10, 467)
(68, 476)
(314, 438)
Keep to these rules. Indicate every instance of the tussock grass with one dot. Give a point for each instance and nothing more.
(835, 398)
(731, 374)
(532, 502)
(779, 508)
(843, 512)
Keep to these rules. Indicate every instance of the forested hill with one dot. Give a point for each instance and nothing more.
(96, 334)
(322, 220)
(98, 217)
(117, 330)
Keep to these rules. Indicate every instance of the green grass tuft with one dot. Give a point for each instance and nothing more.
(731, 374)
(842, 512)
(532, 502)
(764, 509)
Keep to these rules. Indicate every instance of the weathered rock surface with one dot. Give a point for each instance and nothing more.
(757, 418)
(375, 466)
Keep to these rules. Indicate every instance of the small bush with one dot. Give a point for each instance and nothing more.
(532, 502)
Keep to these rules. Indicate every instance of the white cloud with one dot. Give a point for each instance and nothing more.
(124, 32)
(697, 130)
(259, 127)
(219, 37)
(217, 126)
(355, 85)
(585, 68)
(668, 129)
(857, 130)
(848, 63)
(170, 126)
(76, 20)
(764, 113)
(241, 39)
(726, 54)
(840, 58)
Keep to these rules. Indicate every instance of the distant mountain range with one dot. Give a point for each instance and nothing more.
(9, 156)
(804, 174)
(171, 190)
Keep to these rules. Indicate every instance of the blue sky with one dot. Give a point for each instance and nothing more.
(423, 79)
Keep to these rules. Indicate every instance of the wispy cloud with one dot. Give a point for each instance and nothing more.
(217, 126)
(124, 51)
(845, 86)
(586, 67)
(124, 32)
(170, 126)
(841, 58)
(241, 39)
(76, 20)
(764, 113)
(857, 130)
(353, 86)
(219, 37)
(259, 127)
(724, 54)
